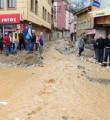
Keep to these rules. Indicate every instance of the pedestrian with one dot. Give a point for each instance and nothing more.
(107, 51)
(81, 44)
(6, 41)
(85, 37)
(28, 37)
(33, 40)
(40, 40)
(37, 43)
(100, 45)
(11, 43)
(15, 41)
(95, 48)
(1, 43)
(21, 40)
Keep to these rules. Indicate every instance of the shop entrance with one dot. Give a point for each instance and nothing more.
(108, 31)
(7, 29)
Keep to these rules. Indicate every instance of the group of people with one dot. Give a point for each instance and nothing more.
(27, 40)
(102, 50)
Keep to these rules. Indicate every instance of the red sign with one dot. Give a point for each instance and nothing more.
(89, 32)
(9, 18)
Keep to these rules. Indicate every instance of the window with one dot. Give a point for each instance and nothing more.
(74, 27)
(82, 26)
(78, 26)
(32, 3)
(89, 25)
(11, 3)
(48, 18)
(43, 13)
(36, 6)
(85, 25)
(1, 4)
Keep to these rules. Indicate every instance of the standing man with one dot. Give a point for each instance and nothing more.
(11, 43)
(33, 40)
(6, 41)
(95, 48)
(15, 41)
(107, 51)
(28, 37)
(81, 44)
(41, 43)
(21, 39)
(100, 45)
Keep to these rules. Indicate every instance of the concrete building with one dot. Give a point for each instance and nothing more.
(85, 23)
(102, 21)
(73, 25)
(61, 18)
(17, 13)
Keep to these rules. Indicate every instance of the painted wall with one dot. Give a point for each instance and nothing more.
(72, 28)
(60, 15)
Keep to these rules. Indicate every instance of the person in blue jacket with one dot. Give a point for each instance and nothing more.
(28, 38)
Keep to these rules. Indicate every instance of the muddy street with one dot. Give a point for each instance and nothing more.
(64, 87)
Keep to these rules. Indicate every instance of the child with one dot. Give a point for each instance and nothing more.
(6, 41)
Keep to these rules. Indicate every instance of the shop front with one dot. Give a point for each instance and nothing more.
(103, 23)
(90, 34)
(10, 22)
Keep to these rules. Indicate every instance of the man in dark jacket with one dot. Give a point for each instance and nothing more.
(95, 48)
(100, 45)
(107, 51)
(33, 39)
(21, 40)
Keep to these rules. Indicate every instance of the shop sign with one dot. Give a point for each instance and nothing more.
(103, 20)
(96, 3)
(90, 31)
(9, 18)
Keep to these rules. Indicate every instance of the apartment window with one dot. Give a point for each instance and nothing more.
(32, 5)
(36, 6)
(48, 18)
(78, 26)
(89, 24)
(74, 27)
(11, 3)
(82, 26)
(85, 25)
(43, 13)
(1, 4)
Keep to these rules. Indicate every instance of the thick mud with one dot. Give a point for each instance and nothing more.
(58, 91)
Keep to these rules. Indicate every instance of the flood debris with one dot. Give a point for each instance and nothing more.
(64, 118)
(105, 82)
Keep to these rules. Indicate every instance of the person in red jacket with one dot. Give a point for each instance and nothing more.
(6, 41)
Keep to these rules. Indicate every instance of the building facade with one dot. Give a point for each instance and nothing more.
(61, 19)
(85, 23)
(17, 13)
(73, 25)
